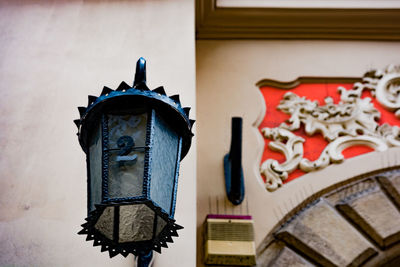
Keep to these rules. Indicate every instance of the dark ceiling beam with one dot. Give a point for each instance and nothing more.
(295, 23)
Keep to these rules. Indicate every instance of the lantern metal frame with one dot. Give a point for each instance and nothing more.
(123, 100)
(147, 163)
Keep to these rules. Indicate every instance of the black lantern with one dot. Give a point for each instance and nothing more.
(134, 139)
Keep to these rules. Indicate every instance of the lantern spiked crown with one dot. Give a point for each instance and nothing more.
(139, 90)
(119, 221)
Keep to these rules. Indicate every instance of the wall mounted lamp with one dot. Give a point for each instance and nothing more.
(134, 139)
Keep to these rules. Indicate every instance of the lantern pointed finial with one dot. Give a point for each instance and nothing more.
(140, 75)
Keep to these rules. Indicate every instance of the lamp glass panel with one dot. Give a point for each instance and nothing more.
(136, 223)
(95, 160)
(105, 222)
(126, 165)
(161, 223)
(164, 161)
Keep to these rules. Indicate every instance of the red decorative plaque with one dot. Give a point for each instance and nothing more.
(315, 122)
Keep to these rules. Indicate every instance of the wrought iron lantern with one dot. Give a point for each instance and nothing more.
(134, 139)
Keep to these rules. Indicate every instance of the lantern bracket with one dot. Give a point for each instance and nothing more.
(234, 182)
(144, 259)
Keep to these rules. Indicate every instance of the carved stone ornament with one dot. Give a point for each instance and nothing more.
(351, 122)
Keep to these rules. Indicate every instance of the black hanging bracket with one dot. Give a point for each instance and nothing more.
(234, 182)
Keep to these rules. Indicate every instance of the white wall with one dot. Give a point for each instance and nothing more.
(227, 72)
(52, 55)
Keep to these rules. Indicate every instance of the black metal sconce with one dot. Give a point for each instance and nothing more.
(233, 171)
(134, 139)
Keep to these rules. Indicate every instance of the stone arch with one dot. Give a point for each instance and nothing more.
(353, 223)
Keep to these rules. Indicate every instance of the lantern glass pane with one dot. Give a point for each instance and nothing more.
(164, 161)
(127, 138)
(95, 159)
(105, 223)
(161, 223)
(136, 223)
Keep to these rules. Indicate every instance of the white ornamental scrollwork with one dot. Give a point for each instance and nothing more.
(384, 85)
(351, 122)
(333, 151)
(288, 144)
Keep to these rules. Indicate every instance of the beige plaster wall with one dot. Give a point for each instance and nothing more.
(226, 75)
(52, 55)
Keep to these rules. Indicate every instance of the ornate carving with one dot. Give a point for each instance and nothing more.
(353, 121)
(390, 133)
(333, 151)
(288, 144)
(384, 85)
(352, 116)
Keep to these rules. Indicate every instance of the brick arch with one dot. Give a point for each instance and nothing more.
(356, 222)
